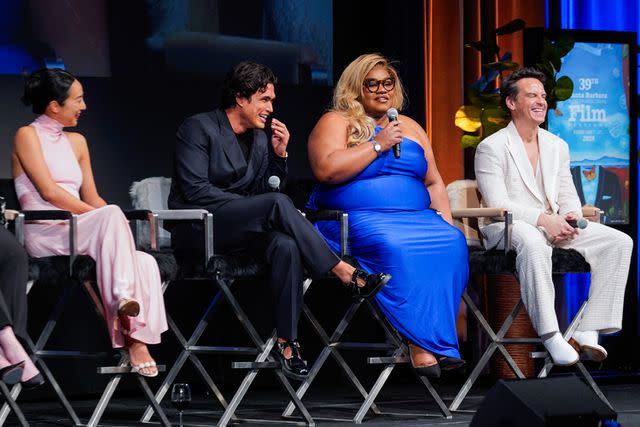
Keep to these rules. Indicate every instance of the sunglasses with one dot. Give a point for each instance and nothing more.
(373, 85)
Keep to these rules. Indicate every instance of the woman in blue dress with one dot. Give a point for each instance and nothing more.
(392, 204)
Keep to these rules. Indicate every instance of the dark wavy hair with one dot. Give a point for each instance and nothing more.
(244, 80)
(509, 86)
(46, 85)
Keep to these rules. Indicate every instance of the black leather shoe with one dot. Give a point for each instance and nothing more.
(33, 382)
(11, 374)
(294, 367)
(372, 283)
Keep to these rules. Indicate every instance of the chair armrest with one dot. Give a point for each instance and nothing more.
(478, 212)
(501, 213)
(203, 215)
(11, 215)
(333, 215)
(592, 213)
(51, 215)
(323, 215)
(181, 214)
(46, 215)
(144, 215)
(137, 214)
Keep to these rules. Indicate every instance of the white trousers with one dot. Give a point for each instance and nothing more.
(608, 252)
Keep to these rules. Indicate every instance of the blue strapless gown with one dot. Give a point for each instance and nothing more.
(393, 230)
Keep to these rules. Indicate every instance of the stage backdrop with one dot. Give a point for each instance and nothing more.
(611, 16)
(595, 123)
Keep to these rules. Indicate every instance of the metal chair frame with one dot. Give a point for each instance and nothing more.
(332, 345)
(498, 339)
(38, 348)
(261, 348)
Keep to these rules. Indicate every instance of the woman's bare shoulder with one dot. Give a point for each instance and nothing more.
(76, 139)
(334, 118)
(410, 123)
(25, 131)
(78, 144)
(25, 135)
(413, 130)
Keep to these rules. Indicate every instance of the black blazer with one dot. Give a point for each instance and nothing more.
(209, 166)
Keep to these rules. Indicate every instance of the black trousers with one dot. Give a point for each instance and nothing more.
(14, 273)
(269, 226)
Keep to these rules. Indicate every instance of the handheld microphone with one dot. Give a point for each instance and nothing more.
(274, 183)
(580, 223)
(392, 114)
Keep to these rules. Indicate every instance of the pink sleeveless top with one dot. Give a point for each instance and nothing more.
(61, 161)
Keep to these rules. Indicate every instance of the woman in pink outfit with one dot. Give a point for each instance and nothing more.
(52, 170)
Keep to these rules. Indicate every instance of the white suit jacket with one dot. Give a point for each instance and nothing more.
(505, 178)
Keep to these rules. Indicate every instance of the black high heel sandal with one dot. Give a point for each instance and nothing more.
(294, 367)
(11, 374)
(372, 283)
(449, 363)
(33, 382)
(431, 371)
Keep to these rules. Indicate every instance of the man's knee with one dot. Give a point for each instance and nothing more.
(278, 199)
(614, 240)
(529, 239)
(625, 242)
(283, 246)
(16, 257)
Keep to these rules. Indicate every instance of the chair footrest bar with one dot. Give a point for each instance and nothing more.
(519, 341)
(124, 369)
(386, 360)
(362, 346)
(221, 349)
(255, 365)
(260, 421)
(539, 354)
(63, 353)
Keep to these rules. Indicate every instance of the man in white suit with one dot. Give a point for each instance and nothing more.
(525, 169)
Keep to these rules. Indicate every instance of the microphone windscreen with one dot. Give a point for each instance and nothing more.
(392, 114)
(274, 182)
(580, 223)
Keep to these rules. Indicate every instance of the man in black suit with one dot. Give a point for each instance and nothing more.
(223, 162)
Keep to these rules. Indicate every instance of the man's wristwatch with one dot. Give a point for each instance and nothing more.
(376, 147)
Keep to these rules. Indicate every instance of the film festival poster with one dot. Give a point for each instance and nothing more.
(595, 123)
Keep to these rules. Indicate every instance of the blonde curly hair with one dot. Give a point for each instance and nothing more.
(347, 96)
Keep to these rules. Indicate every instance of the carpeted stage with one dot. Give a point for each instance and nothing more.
(325, 404)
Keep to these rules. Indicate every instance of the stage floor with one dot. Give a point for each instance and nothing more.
(323, 404)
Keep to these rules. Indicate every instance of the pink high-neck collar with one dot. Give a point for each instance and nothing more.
(50, 125)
